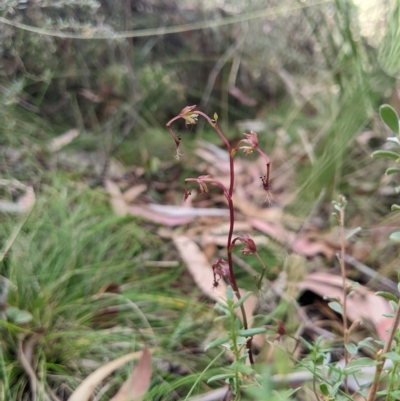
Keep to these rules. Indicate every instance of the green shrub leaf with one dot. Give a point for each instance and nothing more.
(217, 342)
(336, 307)
(252, 332)
(306, 343)
(229, 293)
(394, 356)
(18, 316)
(352, 232)
(368, 343)
(387, 295)
(361, 362)
(392, 170)
(242, 299)
(389, 117)
(394, 208)
(220, 377)
(351, 348)
(386, 154)
(241, 340)
(324, 389)
(219, 318)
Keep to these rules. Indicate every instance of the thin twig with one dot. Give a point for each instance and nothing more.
(101, 35)
(374, 276)
(14, 235)
(34, 382)
(344, 302)
(229, 53)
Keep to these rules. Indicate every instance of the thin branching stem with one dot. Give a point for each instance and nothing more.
(263, 272)
(344, 284)
(230, 244)
(190, 115)
(232, 275)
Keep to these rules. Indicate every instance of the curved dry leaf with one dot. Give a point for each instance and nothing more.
(302, 245)
(89, 95)
(159, 218)
(117, 200)
(24, 355)
(132, 193)
(305, 246)
(199, 267)
(59, 142)
(182, 211)
(24, 203)
(249, 209)
(138, 383)
(238, 94)
(362, 303)
(274, 229)
(27, 200)
(85, 390)
(113, 189)
(202, 273)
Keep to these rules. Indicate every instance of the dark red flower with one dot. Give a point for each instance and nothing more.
(220, 269)
(250, 246)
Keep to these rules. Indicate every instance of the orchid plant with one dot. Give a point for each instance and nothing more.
(249, 144)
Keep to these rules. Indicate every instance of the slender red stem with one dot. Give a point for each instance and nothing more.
(231, 225)
(228, 194)
(232, 275)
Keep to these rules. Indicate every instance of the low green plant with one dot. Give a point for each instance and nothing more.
(391, 119)
(238, 374)
(330, 376)
(390, 350)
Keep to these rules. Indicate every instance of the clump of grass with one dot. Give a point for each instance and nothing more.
(79, 295)
(67, 250)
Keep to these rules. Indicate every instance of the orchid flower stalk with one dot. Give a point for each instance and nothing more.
(248, 145)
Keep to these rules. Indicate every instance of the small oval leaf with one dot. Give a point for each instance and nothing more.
(389, 117)
(352, 232)
(395, 236)
(336, 307)
(18, 316)
(387, 295)
(324, 389)
(241, 340)
(386, 154)
(217, 342)
(229, 293)
(242, 299)
(394, 139)
(219, 318)
(394, 356)
(352, 349)
(392, 170)
(365, 361)
(252, 332)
